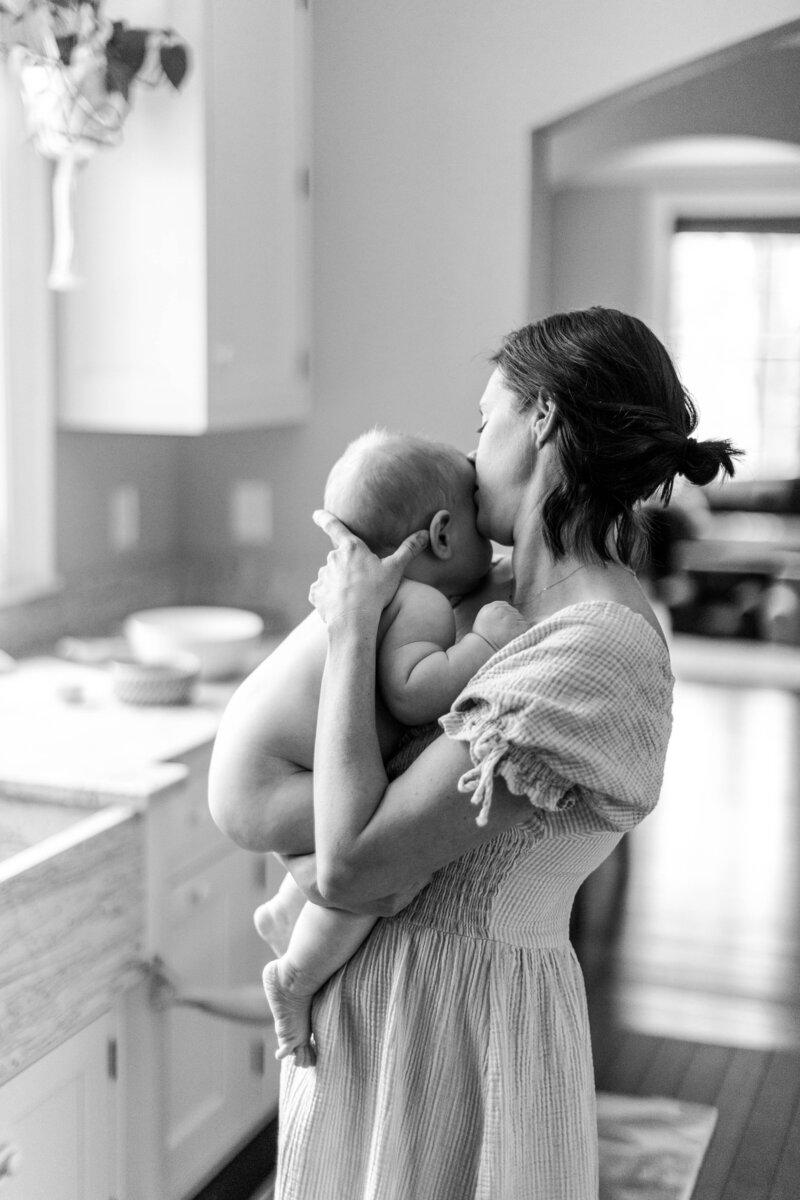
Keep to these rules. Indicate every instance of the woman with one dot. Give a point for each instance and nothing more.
(453, 1054)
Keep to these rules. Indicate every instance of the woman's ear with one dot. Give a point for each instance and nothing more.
(545, 419)
(439, 532)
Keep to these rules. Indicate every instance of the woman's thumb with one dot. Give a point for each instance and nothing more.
(409, 548)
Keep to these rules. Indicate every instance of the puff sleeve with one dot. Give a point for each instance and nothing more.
(577, 708)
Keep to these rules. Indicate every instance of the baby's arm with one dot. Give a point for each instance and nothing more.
(421, 667)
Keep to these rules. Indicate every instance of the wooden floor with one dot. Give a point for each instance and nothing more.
(690, 940)
(754, 1152)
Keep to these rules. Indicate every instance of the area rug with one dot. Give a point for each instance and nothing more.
(651, 1148)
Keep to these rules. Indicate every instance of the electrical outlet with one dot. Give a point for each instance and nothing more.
(251, 512)
(123, 517)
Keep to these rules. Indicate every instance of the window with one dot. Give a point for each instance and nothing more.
(27, 471)
(735, 334)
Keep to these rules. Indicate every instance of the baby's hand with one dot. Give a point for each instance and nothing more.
(499, 623)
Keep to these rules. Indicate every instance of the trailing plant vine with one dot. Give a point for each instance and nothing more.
(76, 69)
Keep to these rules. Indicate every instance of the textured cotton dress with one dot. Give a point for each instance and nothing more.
(453, 1052)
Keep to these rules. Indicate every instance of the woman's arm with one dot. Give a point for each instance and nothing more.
(372, 837)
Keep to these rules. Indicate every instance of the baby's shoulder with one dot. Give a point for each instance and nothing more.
(417, 610)
(413, 596)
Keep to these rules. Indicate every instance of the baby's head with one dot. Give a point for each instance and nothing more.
(388, 485)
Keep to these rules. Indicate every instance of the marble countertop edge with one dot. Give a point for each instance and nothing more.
(95, 823)
(134, 788)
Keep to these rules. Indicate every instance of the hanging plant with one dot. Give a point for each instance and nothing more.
(75, 68)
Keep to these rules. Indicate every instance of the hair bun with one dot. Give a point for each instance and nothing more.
(687, 458)
(701, 462)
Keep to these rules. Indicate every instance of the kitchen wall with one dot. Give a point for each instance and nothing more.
(422, 183)
(606, 192)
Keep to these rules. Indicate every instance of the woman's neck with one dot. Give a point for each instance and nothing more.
(544, 584)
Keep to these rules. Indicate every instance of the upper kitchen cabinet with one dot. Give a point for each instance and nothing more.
(193, 237)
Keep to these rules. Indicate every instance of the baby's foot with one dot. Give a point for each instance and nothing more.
(290, 1000)
(274, 924)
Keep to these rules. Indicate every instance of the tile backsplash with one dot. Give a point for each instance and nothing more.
(95, 603)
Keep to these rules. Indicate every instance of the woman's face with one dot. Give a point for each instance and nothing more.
(472, 550)
(503, 460)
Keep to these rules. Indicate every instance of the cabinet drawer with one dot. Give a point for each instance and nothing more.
(185, 832)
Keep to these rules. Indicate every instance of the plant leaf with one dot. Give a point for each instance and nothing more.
(174, 63)
(118, 77)
(128, 46)
(66, 45)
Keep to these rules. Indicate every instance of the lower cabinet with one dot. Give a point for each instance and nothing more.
(151, 1100)
(218, 1077)
(58, 1122)
(196, 1085)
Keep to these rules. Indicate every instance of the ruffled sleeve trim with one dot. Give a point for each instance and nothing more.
(492, 755)
(577, 707)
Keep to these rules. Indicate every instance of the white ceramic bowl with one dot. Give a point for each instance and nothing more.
(225, 640)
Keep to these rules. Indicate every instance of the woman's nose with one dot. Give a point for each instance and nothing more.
(471, 456)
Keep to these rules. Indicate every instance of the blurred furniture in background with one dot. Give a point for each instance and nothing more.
(725, 560)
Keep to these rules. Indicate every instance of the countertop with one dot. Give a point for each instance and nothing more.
(67, 737)
(72, 899)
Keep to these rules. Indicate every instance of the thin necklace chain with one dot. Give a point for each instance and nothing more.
(569, 575)
(563, 579)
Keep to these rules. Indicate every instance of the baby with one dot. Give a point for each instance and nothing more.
(383, 488)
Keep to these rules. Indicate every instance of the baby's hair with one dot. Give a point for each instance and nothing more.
(388, 485)
(623, 427)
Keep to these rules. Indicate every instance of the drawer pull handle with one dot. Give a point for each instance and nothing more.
(10, 1160)
(199, 894)
(245, 1004)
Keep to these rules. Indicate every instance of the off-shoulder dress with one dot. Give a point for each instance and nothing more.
(453, 1051)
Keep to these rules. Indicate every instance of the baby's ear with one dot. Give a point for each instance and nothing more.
(440, 543)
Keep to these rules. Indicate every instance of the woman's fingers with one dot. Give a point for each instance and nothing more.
(408, 550)
(353, 578)
(336, 531)
(339, 534)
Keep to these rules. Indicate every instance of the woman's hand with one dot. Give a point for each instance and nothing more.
(355, 583)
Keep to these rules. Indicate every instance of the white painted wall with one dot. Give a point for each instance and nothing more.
(422, 180)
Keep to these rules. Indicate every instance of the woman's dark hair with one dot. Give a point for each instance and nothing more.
(623, 426)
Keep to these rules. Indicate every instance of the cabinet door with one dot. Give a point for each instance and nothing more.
(257, 1068)
(259, 211)
(132, 338)
(214, 1092)
(193, 236)
(58, 1115)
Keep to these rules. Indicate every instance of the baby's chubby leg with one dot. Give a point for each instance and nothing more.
(322, 941)
(276, 919)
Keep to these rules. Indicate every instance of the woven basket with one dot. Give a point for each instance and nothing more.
(169, 682)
